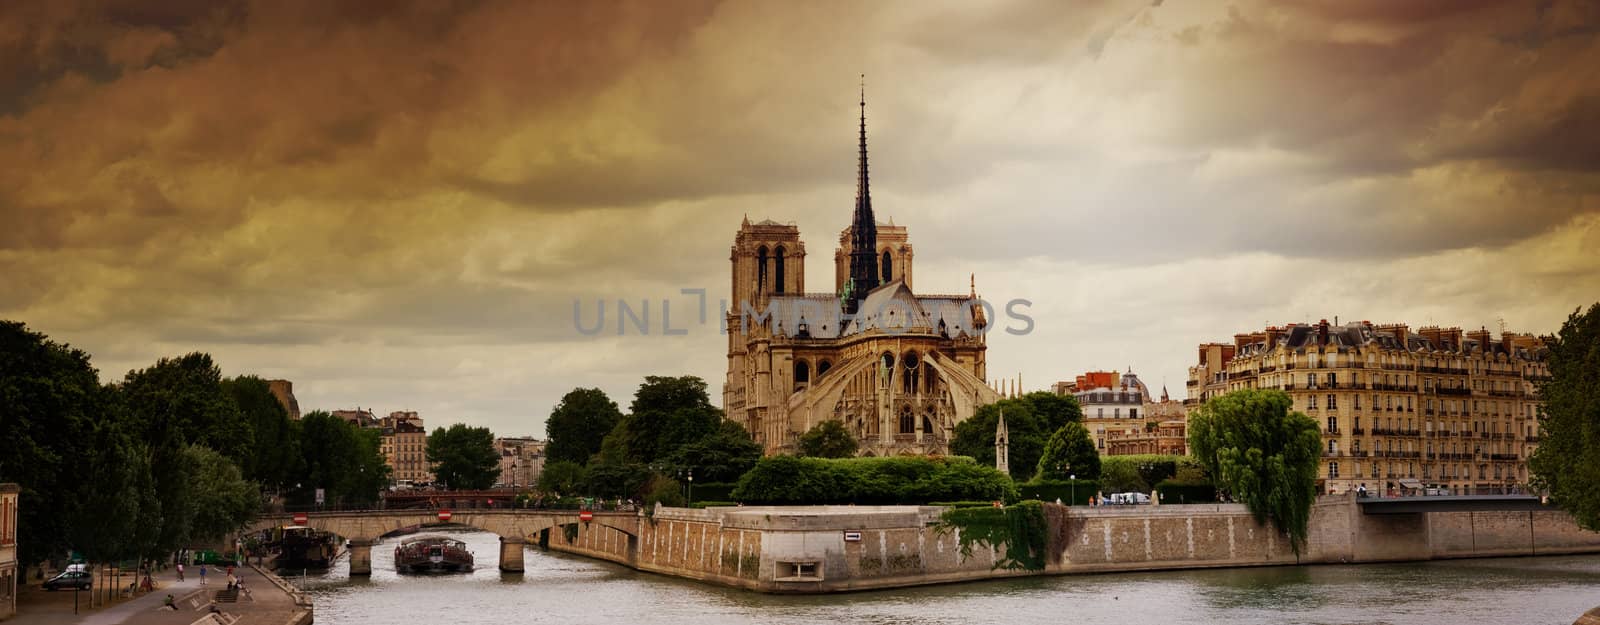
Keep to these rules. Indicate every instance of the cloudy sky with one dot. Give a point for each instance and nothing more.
(397, 207)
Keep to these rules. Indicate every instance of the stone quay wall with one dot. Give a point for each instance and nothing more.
(816, 549)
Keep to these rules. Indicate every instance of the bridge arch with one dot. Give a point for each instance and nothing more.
(514, 527)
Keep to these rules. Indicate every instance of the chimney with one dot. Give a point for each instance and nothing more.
(1482, 337)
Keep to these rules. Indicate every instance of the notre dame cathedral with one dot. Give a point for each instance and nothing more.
(899, 369)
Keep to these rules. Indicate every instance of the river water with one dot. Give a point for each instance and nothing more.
(558, 588)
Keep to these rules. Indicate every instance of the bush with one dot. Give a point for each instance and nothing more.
(713, 504)
(1174, 491)
(1074, 492)
(1019, 531)
(1153, 468)
(904, 480)
(665, 491)
(714, 491)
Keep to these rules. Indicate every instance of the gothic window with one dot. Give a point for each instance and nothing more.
(888, 268)
(802, 373)
(912, 373)
(778, 261)
(761, 269)
(927, 424)
(823, 367)
(908, 424)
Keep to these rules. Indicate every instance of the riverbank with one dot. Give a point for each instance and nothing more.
(265, 600)
(824, 549)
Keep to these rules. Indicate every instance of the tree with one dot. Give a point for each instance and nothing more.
(1069, 452)
(223, 499)
(271, 457)
(464, 457)
(344, 460)
(1052, 410)
(52, 400)
(668, 413)
(1567, 462)
(184, 396)
(1122, 477)
(1263, 453)
(563, 477)
(578, 424)
(829, 439)
(975, 436)
(721, 456)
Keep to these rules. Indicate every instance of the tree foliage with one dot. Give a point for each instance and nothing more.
(52, 400)
(563, 477)
(344, 460)
(666, 414)
(829, 439)
(464, 457)
(1567, 462)
(1030, 421)
(1069, 452)
(272, 457)
(578, 424)
(1262, 453)
(222, 499)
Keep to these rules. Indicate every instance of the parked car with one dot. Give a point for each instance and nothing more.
(69, 579)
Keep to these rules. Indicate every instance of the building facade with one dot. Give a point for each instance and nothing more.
(359, 417)
(404, 442)
(521, 461)
(900, 370)
(1112, 403)
(284, 391)
(1399, 409)
(9, 496)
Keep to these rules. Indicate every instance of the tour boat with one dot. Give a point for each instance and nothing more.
(305, 548)
(432, 554)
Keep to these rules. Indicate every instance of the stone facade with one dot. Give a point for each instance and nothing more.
(404, 443)
(900, 370)
(284, 391)
(9, 581)
(1399, 409)
(521, 460)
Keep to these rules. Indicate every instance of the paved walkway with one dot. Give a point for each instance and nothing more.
(260, 603)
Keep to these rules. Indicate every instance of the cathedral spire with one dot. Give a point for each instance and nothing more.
(863, 225)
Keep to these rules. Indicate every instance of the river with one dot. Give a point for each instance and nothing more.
(559, 588)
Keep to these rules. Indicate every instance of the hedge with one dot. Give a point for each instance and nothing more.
(1072, 492)
(714, 491)
(1173, 491)
(788, 480)
(713, 504)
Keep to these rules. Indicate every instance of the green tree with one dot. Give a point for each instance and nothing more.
(271, 458)
(563, 477)
(185, 396)
(721, 456)
(668, 413)
(115, 496)
(1567, 462)
(464, 457)
(1121, 477)
(52, 400)
(1069, 451)
(1052, 410)
(223, 499)
(975, 436)
(1263, 453)
(578, 424)
(344, 460)
(829, 439)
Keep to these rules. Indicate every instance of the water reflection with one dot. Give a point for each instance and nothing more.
(561, 588)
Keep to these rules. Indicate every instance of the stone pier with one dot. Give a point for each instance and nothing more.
(360, 557)
(511, 554)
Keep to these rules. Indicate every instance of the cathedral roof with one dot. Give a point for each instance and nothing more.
(894, 301)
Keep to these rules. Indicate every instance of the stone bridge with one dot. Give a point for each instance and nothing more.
(515, 528)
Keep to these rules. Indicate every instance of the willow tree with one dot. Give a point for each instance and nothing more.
(1567, 462)
(1262, 453)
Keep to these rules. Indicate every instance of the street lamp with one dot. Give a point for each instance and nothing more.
(691, 485)
(1072, 479)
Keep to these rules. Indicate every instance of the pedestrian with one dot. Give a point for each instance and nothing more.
(180, 571)
(202, 573)
(169, 604)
